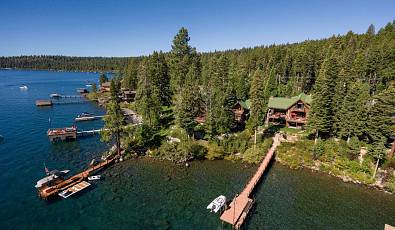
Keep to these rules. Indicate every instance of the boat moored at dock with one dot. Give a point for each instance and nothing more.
(217, 204)
(87, 117)
(53, 177)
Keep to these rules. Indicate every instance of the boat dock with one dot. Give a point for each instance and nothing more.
(70, 133)
(57, 102)
(238, 209)
(48, 192)
(89, 132)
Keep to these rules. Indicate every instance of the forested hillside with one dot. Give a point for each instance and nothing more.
(44, 62)
(349, 77)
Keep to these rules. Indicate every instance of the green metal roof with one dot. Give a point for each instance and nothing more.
(245, 104)
(286, 102)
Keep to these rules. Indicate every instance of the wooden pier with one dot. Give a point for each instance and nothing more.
(238, 209)
(70, 133)
(49, 192)
(89, 132)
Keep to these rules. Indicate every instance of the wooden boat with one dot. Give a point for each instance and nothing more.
(217, 204)
(74, 189)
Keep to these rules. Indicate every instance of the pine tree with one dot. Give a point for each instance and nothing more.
(158, 72)
(321, 115)
(353, 114)
(103, 78)
(188, 102)
(181, 56)
(147, 102)
(114, 121)
(257, 98)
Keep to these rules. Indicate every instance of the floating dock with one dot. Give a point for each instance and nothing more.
(238, 209)
(74, 189)
(43, 103)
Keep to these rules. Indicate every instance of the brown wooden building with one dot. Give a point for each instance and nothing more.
(289, 112)
(241, 111)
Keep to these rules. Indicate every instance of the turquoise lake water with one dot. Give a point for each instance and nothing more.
(148, 194)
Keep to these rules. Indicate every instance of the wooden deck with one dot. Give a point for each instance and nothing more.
(48, 192)
(240, 206)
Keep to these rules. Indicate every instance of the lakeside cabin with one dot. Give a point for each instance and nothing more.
(62, 134)
(241, 111)
(290, 112)
(105, 87)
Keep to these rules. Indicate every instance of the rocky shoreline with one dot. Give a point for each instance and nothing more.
(378, 185)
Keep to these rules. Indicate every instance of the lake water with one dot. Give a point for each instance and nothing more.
(148, 194)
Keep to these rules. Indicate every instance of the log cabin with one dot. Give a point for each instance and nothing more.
(241, 111)
(289, 112)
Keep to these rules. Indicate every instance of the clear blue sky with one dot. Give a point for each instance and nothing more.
(132, 28)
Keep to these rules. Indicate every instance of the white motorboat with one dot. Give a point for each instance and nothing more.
(23, 87)
(52, 177)
(85, 117)
(55, 95)
(217, 204)
(74, 189)
(96, 177)
(88, 85)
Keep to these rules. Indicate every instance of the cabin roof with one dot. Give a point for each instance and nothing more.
(245, 104)
(286, 102)
(106, 84)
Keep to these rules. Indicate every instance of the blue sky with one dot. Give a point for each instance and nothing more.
(132, 28)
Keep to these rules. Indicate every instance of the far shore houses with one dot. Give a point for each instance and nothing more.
(126, 94)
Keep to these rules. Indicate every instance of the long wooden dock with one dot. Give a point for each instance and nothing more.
(238, 209)
(89, 132)
(51, 191)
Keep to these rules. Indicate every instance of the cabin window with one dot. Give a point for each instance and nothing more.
(299, 106)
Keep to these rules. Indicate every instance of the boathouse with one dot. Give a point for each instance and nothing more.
(62, 134)
(105, 87)
(289, 112)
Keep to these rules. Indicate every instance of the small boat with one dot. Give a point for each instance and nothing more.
(96, 177)
(23, 87)
(82, 90)
(88, 85)
(74, 189)
(217, 204)
(85, 117)
(53, 177)
(55, 95)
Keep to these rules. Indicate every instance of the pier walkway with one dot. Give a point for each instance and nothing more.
(89, 132)
(242, 203)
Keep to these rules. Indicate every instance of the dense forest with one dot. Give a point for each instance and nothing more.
(65, 63)
(351, 79)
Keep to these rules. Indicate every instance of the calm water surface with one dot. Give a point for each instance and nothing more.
(147, 194)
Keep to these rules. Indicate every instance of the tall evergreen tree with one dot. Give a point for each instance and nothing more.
(257, 98)
(188, 102)
(114, 120)
(321, 115)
